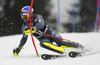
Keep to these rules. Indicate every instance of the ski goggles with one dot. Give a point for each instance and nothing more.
(24, 15)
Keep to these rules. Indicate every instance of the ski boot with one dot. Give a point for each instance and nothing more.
(72, 49)
(16, 51)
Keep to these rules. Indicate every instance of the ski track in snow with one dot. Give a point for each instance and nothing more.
(28, 56)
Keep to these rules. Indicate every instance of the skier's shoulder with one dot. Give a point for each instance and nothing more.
(37, 16)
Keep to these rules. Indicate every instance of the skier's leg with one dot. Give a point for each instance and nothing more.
(71, 44)
(45, 40)
(71, 47)
(62, 43)
(66, 44)
(65, 47)
(46, 43)
(56, 40)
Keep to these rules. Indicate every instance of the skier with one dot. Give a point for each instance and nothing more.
(39, 28)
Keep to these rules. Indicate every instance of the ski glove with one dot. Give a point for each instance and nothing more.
(16, 51)
(27, 32)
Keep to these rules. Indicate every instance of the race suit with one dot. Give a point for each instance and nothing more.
(41, 29)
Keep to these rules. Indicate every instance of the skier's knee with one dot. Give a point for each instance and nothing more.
(52, 47)
(44, 40)
(71, 44)
(43, 44)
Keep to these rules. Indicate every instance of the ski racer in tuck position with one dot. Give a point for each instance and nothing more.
(39, 28)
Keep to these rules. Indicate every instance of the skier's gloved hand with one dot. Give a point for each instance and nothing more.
(34, 29)
(27, 31)
(16, 51)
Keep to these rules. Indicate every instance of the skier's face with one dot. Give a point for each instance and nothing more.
(25, 16)
(26, 20)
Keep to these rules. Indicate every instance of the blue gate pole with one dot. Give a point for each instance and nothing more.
(73, 25)
(59, 23)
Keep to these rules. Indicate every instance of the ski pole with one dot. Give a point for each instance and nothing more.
(58, 38)
(31, 29)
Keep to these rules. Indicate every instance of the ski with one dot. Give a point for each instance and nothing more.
(74, 54)
(70, 53)
(49, 56)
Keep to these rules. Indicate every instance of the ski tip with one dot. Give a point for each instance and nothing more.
(43, 56)
(74, 54)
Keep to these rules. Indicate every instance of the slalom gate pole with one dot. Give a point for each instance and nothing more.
(59, 38)
(59, 23)
(73, 28)
(98, 16)
(96, 21)
(31, 28)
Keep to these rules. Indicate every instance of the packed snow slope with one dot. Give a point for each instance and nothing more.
(28, 56)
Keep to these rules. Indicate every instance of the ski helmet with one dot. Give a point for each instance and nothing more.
(25, 12)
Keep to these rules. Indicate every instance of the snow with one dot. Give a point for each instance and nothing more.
(28, 56)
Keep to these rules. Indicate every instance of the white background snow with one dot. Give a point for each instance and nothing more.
(28, 56)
